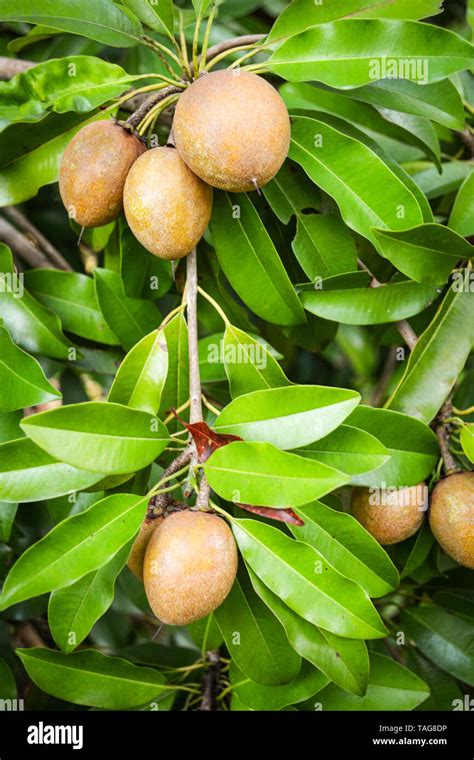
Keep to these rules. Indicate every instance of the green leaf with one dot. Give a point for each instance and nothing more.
(176, 388)
(412, 446)
(22, 380)
(159, 16)
(391, 687)
(462, 213)
(445, 693)
(30, 325)
(287, 417)
(256, 696)
(77, 546)
(354, 52)
(467, 441)
(130, 319)
(312, 588)
(102, 21)
(303, 14)
(434, 184)
(248, 363)
(422, 545)
(255, 639)
(344, 661)
(72, 297)
(352, 174)
(258, 473)
(445, 639)
(324, 246)
(291, 192)
(7, 683)
(76, 83)
(7, 518)
(72, 611)
(100, 437)
(143, 276)
(427, 253)
(439, 356)
(348, 547)
(440, 102)
(142, 375)
(348, 449)
(27, 473)
(92, 678)
(30, 154)
(342, 299)
(250, 261)
(201, 6)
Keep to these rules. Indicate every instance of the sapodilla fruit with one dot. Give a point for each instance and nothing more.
(137, 552)
(390, 515)
(93, 171)
(167, 206)
(232, 129)
(452, 516)
(190, 566)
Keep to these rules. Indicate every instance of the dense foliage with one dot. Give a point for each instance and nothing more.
(335, 311)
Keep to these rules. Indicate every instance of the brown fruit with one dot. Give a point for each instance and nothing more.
(167, 207)
(137, 552)
(93, 171)
(190, 566)
(232, 129)
(390, 515)
(452, 517)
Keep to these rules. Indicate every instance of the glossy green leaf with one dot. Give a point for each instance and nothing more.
(462, 213)
(349, 450)
(412, 446)
(154, 14)
(348, 547)
(248, 363)
(353, 52)
(27, 473)
(22, 380)
(7, 518)
(342, 300)
(143, 276)
(102, 21)
(77, 546)
(7, 683)
(391, 687)
(256, 696)
(100, 437)
(287, 417)
(258, 473)
(427, 253)
(176, 389)
(440, 101)
(434, 184)
(30, 154)
(250, 261)
(303, 14)
(312, 588)
(142, 375)
(439, 356)
(92, 678)
(332, 159)
(77, 83)
(72, 611)
(290, 192)
(30, 325)
(130, 319)
(419, 552)
(467, 441)
(255, 639)
(344, 661)
(72, 297)
(445, 693)
(323, 246)
(445, 639)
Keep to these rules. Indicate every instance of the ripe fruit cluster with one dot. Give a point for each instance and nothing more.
(231, 130)
(398, 515)
(188, 562)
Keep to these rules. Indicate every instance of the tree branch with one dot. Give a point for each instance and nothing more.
(210, 681)
(195, 391)
(22, 246)
(49, 249)
(404, 328)
(138, 115)
(442, 430)
(10, 67)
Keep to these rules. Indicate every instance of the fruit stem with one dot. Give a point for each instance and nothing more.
(138, 116)
(196, 43)
(167, 475)
(205, 44)
(239, 61)
(155, 112)
(183, 46)
(216, 306)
